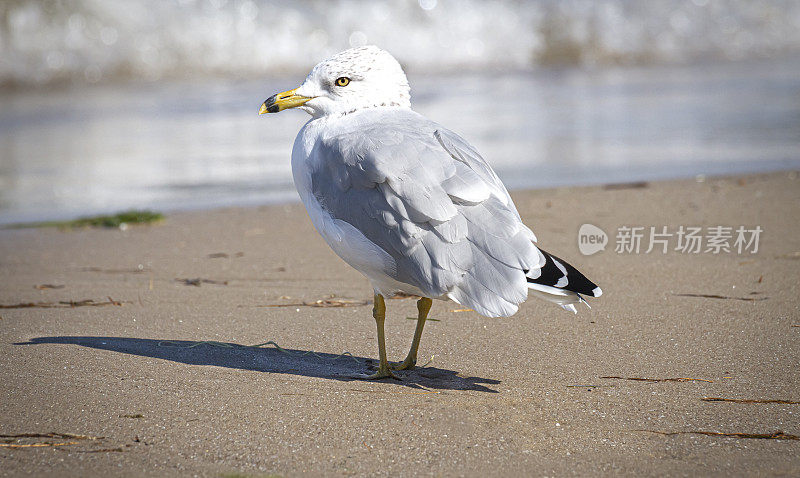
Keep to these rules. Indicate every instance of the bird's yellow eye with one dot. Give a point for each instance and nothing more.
(342, 81)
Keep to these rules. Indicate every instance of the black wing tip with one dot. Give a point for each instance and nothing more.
(551, 274)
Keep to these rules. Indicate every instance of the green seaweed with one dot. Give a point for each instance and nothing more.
(110, 221)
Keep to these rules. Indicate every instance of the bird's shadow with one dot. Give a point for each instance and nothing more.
(270, 359)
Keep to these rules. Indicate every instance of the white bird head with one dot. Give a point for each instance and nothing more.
(364, 77)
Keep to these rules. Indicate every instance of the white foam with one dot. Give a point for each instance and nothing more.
(45, 41)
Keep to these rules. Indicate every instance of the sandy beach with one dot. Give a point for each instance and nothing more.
(132, 345)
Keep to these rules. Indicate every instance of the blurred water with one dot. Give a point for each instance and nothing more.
(42, 41)
(197, 144)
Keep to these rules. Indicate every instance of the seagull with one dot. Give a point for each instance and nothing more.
(410, 204)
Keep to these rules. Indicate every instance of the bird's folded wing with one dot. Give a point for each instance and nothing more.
(427, 198)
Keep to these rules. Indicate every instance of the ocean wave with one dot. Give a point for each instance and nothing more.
(43, 41)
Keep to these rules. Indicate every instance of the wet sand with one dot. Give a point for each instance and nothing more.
(524, 395)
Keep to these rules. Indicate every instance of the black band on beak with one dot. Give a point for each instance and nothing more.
(270, 104)
(282, 101)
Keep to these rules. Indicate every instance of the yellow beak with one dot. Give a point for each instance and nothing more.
(283, 101)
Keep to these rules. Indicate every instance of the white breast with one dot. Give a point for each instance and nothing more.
(345, 240)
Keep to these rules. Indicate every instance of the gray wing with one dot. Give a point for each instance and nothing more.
(427, 198)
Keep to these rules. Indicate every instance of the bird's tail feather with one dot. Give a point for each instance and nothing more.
(558, 282)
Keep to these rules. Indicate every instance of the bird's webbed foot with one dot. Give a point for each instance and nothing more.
(408, 364)
(383, 372)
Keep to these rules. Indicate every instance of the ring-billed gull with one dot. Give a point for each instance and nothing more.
(410, 204)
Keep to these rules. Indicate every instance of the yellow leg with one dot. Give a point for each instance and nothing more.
(423, 307)
(379, 312)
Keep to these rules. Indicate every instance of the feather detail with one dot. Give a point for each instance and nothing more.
(434, 212)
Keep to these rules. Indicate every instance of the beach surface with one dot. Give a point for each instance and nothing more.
(132, 345)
